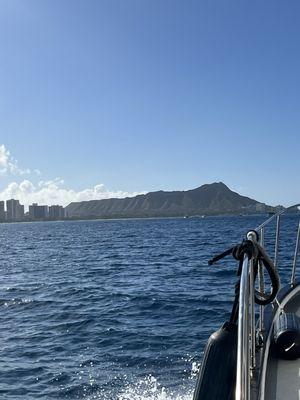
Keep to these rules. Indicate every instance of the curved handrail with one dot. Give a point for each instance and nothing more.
(242, 391)
(246, 346)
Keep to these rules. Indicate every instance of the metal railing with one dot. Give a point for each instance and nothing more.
(246, 331)
(293, 277)
(246, 346)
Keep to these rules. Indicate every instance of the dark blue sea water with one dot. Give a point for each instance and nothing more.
(114, 310)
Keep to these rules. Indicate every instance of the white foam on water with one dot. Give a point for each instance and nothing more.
(147, 388)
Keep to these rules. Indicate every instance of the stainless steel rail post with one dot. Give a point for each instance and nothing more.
(277, 240)
(252, 316)
(295, 256)
(242, 391)
(261, 283)
(253, 237)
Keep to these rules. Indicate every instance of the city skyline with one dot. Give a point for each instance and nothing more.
(119, 98)
(15, 212)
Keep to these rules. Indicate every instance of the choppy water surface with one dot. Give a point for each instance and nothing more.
(114, 310)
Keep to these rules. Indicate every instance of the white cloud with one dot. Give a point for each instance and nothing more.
(9, 165)
(46, 192)
(55, 192)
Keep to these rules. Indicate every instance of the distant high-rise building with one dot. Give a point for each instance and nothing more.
(20, 212)
(56, 212)
(2, 212)
(32, 211)
(38, 212)
(14, 210)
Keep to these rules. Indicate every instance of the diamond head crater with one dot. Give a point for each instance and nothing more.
(208, 199)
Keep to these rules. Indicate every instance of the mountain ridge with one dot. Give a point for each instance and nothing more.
(209, 199)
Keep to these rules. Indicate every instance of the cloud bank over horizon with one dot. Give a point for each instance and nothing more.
(54, 192)
(47, 192)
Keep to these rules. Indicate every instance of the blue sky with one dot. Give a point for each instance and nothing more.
(141, 95)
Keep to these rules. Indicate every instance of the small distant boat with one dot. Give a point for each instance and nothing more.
(255, 355)
(186, 216)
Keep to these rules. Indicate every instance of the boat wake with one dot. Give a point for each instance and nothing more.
(147, 388)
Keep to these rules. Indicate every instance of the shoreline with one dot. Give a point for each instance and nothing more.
(136, 218)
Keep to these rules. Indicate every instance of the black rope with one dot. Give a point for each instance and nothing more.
(235, 306)
(220, 256)
(256, 252)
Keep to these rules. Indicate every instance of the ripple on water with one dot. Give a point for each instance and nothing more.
(113, 310)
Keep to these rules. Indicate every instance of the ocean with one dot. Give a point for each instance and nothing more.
(116, 309)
